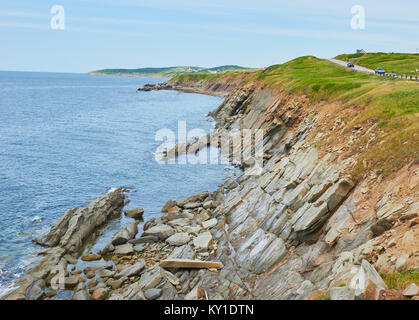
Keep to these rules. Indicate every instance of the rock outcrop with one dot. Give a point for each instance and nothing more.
(295, 227)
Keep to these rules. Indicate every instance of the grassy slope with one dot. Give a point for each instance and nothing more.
(401, 63)
(393, 104)
(166, 72)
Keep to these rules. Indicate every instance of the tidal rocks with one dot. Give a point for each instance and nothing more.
(36, 290)
(125, 234)
(101, 294)
(124, 249)
(90, 257)
(178, 239)
(203, 241)
(161, 231)
(411, 290)
(144, 239)
(80, 293)
(152, 277)
(77, 224)
(169, 204)
(152, 293)
(136, 213)
(132, 270)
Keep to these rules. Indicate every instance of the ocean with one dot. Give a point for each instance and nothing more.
(65, 139)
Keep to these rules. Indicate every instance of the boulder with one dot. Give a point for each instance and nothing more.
(178, 239)
(169, 204)
(152, 277)
(80, 293)
(196, 294)
(152, 293)
(203, 240)
(132, 270)
(183, 252)
(192, 205)
(104, 273)
(136, 213)
(91, 257)
(411, 290)
(380, 227)
(101, 294)
(144, 239)
(125, 234)
(401, 262)
(161, 231)
(124, 249)
(366, 276)
(341, 293)
(36, 290)
(209, 223)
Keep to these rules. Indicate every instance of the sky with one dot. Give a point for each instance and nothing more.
(101, 34)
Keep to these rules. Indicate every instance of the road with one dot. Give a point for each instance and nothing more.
(356, 68)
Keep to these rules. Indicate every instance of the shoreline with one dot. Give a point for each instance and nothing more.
(300, 229)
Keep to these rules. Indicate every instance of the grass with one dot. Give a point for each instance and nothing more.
(401, 280)
(321, 297)
(391, 104)
(401, 63)
(227, 76)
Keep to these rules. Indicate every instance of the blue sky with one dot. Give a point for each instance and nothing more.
(131, 34)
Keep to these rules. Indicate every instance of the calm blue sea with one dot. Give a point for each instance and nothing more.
(67, 138)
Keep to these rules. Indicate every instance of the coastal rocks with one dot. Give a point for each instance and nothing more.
(36, 290)
(178, 239)
(77, 224)
(125, 234)
(90, 257)
(80, 293)
(411, 291)
(161, 231)
(124, 249)
(101, 294)
(341, 293)
(152, 277)
(132, 270)
(202, 241)
(152, 293)
(367, 279)
(208, 224)
(169, 204)
(136, 213)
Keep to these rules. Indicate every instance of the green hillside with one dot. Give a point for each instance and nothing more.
(401, 63)
(166, 72)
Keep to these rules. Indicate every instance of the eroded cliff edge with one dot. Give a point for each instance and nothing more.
(320, 217)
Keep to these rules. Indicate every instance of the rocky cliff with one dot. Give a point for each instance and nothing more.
(319, 220)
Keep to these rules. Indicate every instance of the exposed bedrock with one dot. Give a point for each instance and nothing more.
(66, 240)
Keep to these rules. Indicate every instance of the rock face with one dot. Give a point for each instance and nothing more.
(77, 224)
(292, 226)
